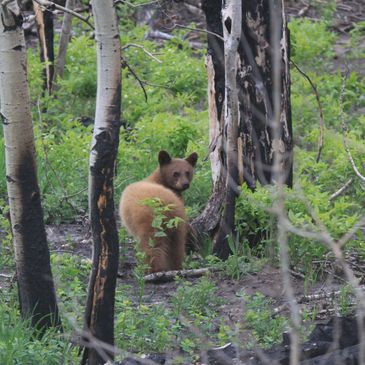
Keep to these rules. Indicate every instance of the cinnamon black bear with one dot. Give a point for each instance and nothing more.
(164, 251)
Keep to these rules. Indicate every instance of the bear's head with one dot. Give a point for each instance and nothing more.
(176, 173)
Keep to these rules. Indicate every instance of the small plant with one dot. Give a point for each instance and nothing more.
(139, 273)
(196, 298)
(159, 221)
(344, 304)
(266, 330)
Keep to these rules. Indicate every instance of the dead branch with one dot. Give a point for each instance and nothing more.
(125, 64)
(143, 49)
(50, 6)
(321, 118)
(345, 129)
(341, 190)
(136, 5)
(176, 25)
(163, 276)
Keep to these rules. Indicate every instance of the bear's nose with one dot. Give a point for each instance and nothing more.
(186, 186)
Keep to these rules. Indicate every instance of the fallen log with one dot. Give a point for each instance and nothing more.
(164, 276)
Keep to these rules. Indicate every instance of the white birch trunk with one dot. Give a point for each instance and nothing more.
(36, 290)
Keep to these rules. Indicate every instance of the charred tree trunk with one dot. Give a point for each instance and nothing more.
(208, 221)
(99, 314)
(259, 144)
(44, 20)
(36, 289)
(257, 141)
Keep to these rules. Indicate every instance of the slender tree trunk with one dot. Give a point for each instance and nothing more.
(44, 20)
(99, 316)
(208, 221)
(36, 288)
(64, 41)
(231, 19)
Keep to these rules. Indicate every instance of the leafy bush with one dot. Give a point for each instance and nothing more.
(311, 42)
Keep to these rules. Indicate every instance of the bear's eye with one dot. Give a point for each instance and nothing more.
(176, 174)
(187, 173)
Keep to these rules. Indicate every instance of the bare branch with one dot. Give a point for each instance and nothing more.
(136, 5)
(341, 190)
(125, 63)
(49, 5)
(176, 25)
(321, 118)
(143, 49)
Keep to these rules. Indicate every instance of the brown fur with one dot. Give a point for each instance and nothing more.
(166, 183)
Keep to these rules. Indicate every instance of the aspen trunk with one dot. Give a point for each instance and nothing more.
(64, 41)
(36, 288)
(99, 315)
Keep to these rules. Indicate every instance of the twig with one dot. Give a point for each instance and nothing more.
(136, 5)
(125, 63)
(49, 5)
(143, 49)
(341, 190)
(160, 277)
(7, 276)
(344, 130)
(321, 118)
(175, 25)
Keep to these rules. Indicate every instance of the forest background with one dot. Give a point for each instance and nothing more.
(236, 300)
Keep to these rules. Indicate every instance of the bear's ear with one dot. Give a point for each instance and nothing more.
(192, 159)
(163, 158)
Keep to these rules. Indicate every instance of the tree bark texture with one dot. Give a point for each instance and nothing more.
(208, 221)
(99, 316)
(36, 289)
(231, 20)
(257, 141)
(44, 20)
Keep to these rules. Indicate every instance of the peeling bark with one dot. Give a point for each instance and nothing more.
(99, 313)
(36, 289)
(231, 19)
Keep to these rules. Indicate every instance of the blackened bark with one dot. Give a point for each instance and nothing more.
(99, 312)
(257, 142)
(255, 77)
(212, 10)
(36, 289)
